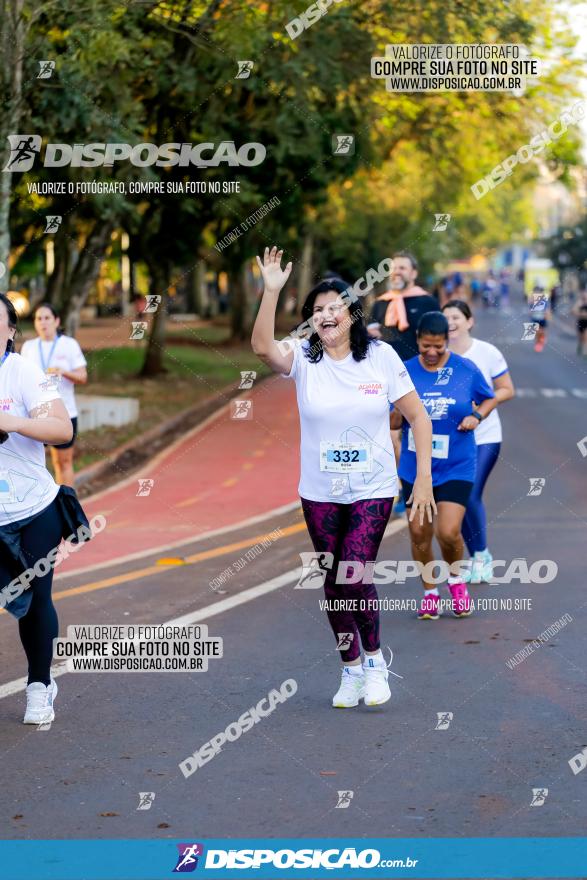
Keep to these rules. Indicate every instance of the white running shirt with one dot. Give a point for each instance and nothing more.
(492, 364)
(26, 486)
(67, 355)
(346, 404)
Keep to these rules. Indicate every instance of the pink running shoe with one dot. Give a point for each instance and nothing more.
(461, 601)
(429, 608)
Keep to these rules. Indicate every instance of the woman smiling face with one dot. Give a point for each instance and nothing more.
(46, 323)
(331, 318)
(458, 324)
(6, 331)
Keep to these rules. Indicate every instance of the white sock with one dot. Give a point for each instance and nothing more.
(354, 670)
(454, 579)
(432, 592)
(481, 553)
(374, 660)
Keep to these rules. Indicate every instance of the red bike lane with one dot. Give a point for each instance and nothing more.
(223, 472)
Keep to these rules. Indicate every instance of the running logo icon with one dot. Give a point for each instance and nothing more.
(314, 569)
(582, 447)
(52, 222)
(539, 302)
(46, 69)
(343, 641)
(344, 800)
(441, 222)
(444, 719)
(338, 486)
(539, 795)
(244, 69)
(153, 300)
(247, 379)
(187, 860)
(146, 799)
(145, 487)
(23, 150)
(443, 376)
(343, 144)
(537, 484)
(241, 409)
(529, 332)
(138, 329)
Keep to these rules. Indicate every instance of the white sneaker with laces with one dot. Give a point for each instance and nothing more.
(39, 702)
(376, 687)
(351, 690)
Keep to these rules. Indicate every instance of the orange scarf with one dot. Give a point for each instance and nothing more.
(395, 316)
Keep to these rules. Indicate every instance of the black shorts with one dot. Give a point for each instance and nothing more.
(71, 442)
(582, 325)
(542, 322)
(457, 491)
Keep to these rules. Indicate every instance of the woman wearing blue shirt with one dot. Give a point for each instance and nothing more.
(457, 399)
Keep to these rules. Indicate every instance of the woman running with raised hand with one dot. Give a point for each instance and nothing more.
(34, 510)
(488, 434)
(457, 398)
(345, 382)
(60, 356)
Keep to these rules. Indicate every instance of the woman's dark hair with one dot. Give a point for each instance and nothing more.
(432, 324)
(461, 305)
(51, 308)
(12, 319)
(359, 338)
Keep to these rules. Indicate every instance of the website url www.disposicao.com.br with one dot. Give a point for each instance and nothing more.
(329, 859)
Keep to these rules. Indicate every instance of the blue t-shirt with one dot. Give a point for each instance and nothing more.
(447, 394)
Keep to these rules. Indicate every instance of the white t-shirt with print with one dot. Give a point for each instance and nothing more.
(67, 355)
(346, 404)
(492, 364)
(26, 486)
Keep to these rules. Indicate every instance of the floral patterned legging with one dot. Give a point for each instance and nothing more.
(351, 532)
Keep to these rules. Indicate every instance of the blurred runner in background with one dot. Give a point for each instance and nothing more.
(394, 319)
(579, 311)
(59, 356)
(488, 435)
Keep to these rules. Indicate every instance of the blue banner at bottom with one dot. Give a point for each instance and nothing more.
(282, 858)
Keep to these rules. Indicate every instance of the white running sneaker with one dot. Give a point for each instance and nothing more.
(351, 690)
(481, 568)
(376, 687)
(39, 702)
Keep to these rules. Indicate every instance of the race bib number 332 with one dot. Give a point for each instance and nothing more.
(344, 458)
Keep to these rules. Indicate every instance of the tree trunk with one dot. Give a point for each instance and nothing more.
(241, 302)
(12, 49)
(238, 304)
(153, 363)
(5, 192)
(72, 281)
(305, 275)
(200, 301)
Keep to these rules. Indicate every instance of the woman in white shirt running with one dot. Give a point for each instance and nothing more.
(60, 356)
(488, 434)
(31, 524)
(345, 382)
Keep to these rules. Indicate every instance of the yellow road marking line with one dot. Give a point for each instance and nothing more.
(189, 501)
(151, 570)
(230, 482)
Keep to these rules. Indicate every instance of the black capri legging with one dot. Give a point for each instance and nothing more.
(39, 625)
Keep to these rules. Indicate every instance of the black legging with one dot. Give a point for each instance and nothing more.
(39, 625)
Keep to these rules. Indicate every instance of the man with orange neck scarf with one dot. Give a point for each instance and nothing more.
(394, 319)
(395, 314)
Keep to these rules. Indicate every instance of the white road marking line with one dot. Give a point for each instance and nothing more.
(288, 577)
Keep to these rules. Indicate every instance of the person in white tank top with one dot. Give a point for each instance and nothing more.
(488, 434)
